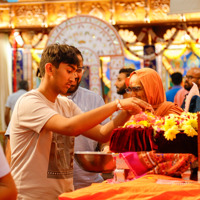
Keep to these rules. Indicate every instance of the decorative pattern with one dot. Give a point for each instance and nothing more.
(97, 9)
(50, 13)
(129, 11)
(29, 15)
(4, 16)
(95, 38)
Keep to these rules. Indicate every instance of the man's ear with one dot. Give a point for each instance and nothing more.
(49, 68)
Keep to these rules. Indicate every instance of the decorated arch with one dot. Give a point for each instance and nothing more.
(95, 38)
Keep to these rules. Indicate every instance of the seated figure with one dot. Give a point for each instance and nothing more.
(146, 84)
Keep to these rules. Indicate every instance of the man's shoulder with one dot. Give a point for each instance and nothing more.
(31, 96)
(64, 99)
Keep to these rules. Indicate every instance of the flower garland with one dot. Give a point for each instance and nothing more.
(155, 38)
(195, 49)
(188, 32)
(140, 37)
(172, 56)
(171, 124)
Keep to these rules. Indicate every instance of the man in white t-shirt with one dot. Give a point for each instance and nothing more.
(43, 127)
(7, 185)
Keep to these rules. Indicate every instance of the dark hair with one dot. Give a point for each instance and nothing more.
(176, 78)
(77, 51)
(126, 71)
(56, 54)
(23, 85)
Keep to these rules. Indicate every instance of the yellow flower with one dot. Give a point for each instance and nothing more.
(144, 123)
(170, 134)
(191, 122)
(129, 123)
(189, 130)
(169, 123)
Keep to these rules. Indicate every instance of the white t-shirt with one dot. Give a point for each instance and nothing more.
(41, 161)
(4, 167)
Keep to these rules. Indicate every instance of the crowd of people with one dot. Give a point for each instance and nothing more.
(51, 122)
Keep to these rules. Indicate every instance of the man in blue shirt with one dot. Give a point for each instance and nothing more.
(12, 99)
(86, 100)
(176, 80)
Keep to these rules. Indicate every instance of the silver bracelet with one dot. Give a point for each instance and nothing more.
(119, 106)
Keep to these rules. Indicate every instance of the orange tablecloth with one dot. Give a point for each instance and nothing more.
(155, 187)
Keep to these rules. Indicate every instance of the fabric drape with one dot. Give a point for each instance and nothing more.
(154, 187)
(5, 75)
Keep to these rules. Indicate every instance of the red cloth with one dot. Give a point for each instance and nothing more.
(154, 187)
(182, 144)
(132, 139)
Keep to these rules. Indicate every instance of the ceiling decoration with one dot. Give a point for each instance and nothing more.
(181, 33)
(37, 14)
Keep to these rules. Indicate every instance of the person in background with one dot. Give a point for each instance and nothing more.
(176, 78)
(192, 76)
(43, 127)
(121, 81)
(86, 100)
(8, 189)
(12, 99)
(180, 96)
(146, 85)
(10, 104)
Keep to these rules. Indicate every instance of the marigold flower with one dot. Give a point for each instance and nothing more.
(189, 130)
(170, 134)
(171, 124)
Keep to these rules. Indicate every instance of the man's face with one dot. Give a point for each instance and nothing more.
(192, 76)
(120, 84)
(63, 77)
(136, 88)
(76, 82)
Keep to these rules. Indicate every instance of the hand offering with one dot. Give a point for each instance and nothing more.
(135, 105)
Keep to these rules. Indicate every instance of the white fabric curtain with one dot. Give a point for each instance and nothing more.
(5, 75)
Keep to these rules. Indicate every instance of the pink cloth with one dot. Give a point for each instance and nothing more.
(171, 164)
(180, 96)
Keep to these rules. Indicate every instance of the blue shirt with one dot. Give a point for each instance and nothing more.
(170, 94)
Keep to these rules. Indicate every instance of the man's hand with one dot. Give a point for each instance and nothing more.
(135, 105)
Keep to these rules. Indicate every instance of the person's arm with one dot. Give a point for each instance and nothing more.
(102, 133)
(83, 122)
(8, 189)
(8, 151)
(7, 115)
